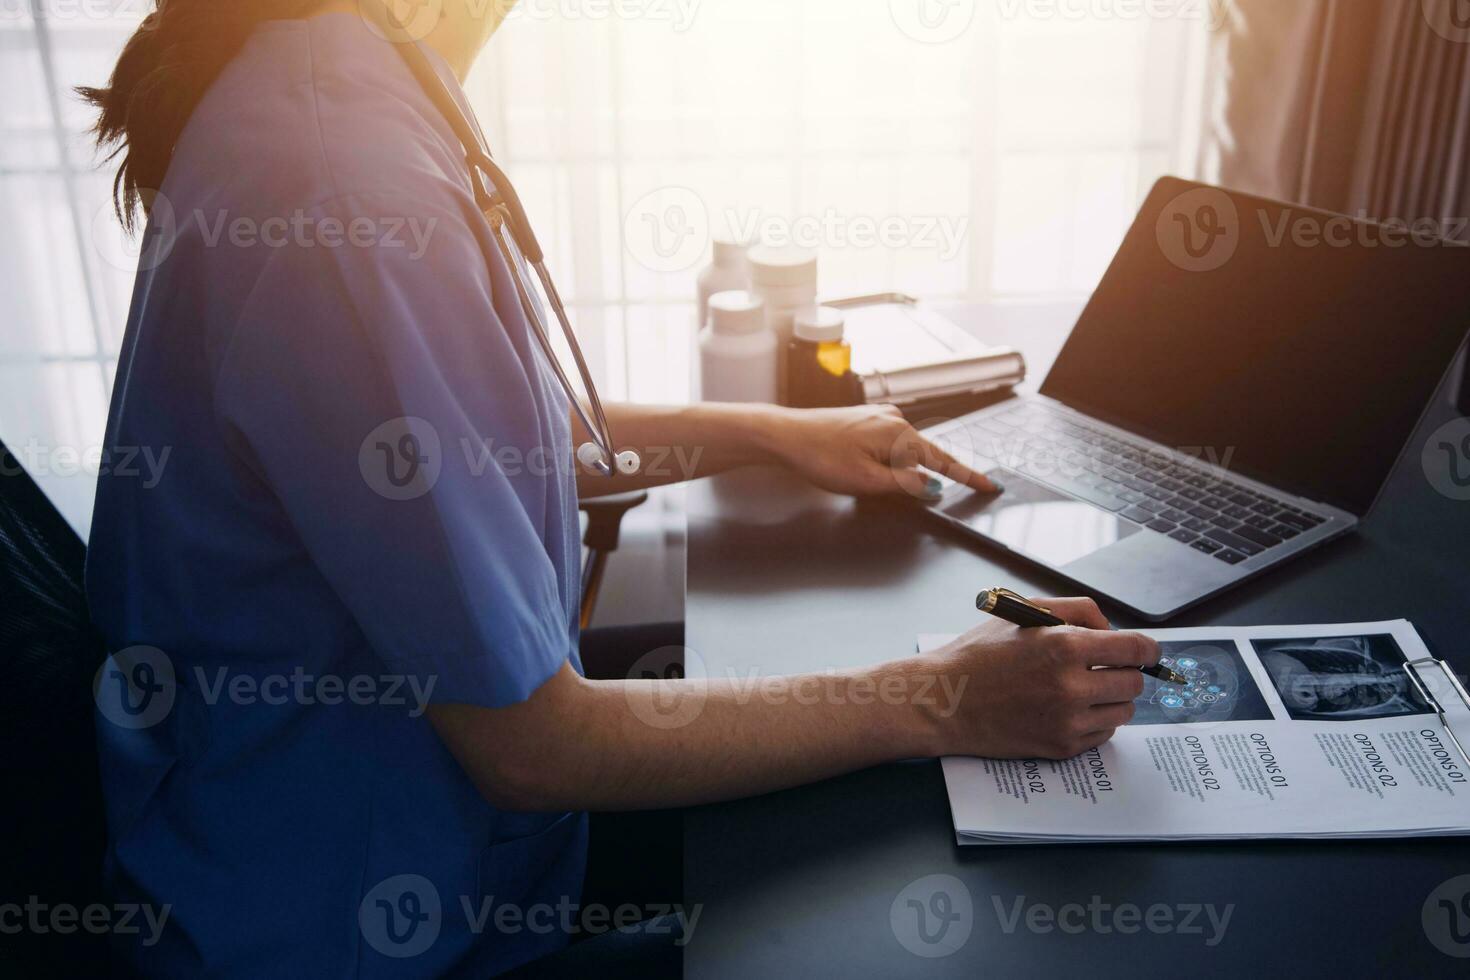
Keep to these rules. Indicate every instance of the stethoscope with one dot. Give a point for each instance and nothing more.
(502, 208)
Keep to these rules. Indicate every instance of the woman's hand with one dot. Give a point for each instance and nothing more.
(1036, 693)
(863, 450)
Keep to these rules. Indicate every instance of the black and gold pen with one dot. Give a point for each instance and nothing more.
(1014, 608)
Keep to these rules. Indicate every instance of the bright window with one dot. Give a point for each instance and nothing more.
(955, 149)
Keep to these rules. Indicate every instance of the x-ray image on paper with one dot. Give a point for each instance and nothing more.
(1340, 677)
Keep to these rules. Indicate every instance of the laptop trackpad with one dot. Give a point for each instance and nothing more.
(1036, 521)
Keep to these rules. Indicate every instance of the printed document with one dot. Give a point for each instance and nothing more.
(1293, 732)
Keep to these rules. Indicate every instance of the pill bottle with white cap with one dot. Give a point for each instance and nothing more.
(728, 270)
(737, 351)
(785, 278)
(819, 361)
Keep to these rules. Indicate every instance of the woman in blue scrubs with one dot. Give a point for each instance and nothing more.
(345, 729)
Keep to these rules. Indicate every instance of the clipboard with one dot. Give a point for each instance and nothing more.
(910, 356)
(1412, 668)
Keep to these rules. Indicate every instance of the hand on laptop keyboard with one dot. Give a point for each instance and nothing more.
(1188, 503)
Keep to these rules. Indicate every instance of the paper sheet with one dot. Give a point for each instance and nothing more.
(1303, 731)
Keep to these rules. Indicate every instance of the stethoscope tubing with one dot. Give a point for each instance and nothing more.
(505, 212)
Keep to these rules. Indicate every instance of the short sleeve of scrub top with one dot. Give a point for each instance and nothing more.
(410, 440)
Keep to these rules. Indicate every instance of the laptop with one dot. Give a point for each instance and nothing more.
(1237, 392)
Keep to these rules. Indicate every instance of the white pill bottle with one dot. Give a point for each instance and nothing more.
(729, 270)
(737, 350)
(785, 278)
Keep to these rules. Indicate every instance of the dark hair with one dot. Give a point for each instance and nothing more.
(164, 70)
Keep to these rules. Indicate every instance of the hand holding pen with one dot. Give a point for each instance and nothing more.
(1013, 608)
(1037, 693)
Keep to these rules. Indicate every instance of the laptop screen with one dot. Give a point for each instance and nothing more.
(1291, 345)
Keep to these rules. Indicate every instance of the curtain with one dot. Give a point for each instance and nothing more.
(1356, 106)
(1348, 105)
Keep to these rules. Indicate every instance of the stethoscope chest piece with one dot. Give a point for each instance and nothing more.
(591, 456)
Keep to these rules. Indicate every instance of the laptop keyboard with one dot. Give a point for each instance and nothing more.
(1188, 504)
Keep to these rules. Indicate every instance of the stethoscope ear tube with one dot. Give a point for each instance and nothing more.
(506, 213)
(597, 455)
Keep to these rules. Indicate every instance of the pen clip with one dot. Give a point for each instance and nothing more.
(1022, 600)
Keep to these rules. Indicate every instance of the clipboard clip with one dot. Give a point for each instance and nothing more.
(1412, 669)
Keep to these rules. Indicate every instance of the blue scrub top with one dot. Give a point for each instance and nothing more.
(367, 502)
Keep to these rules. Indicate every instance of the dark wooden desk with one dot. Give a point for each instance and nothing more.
(784, 579)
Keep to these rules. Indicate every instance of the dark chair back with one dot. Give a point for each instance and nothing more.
(54, 832)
